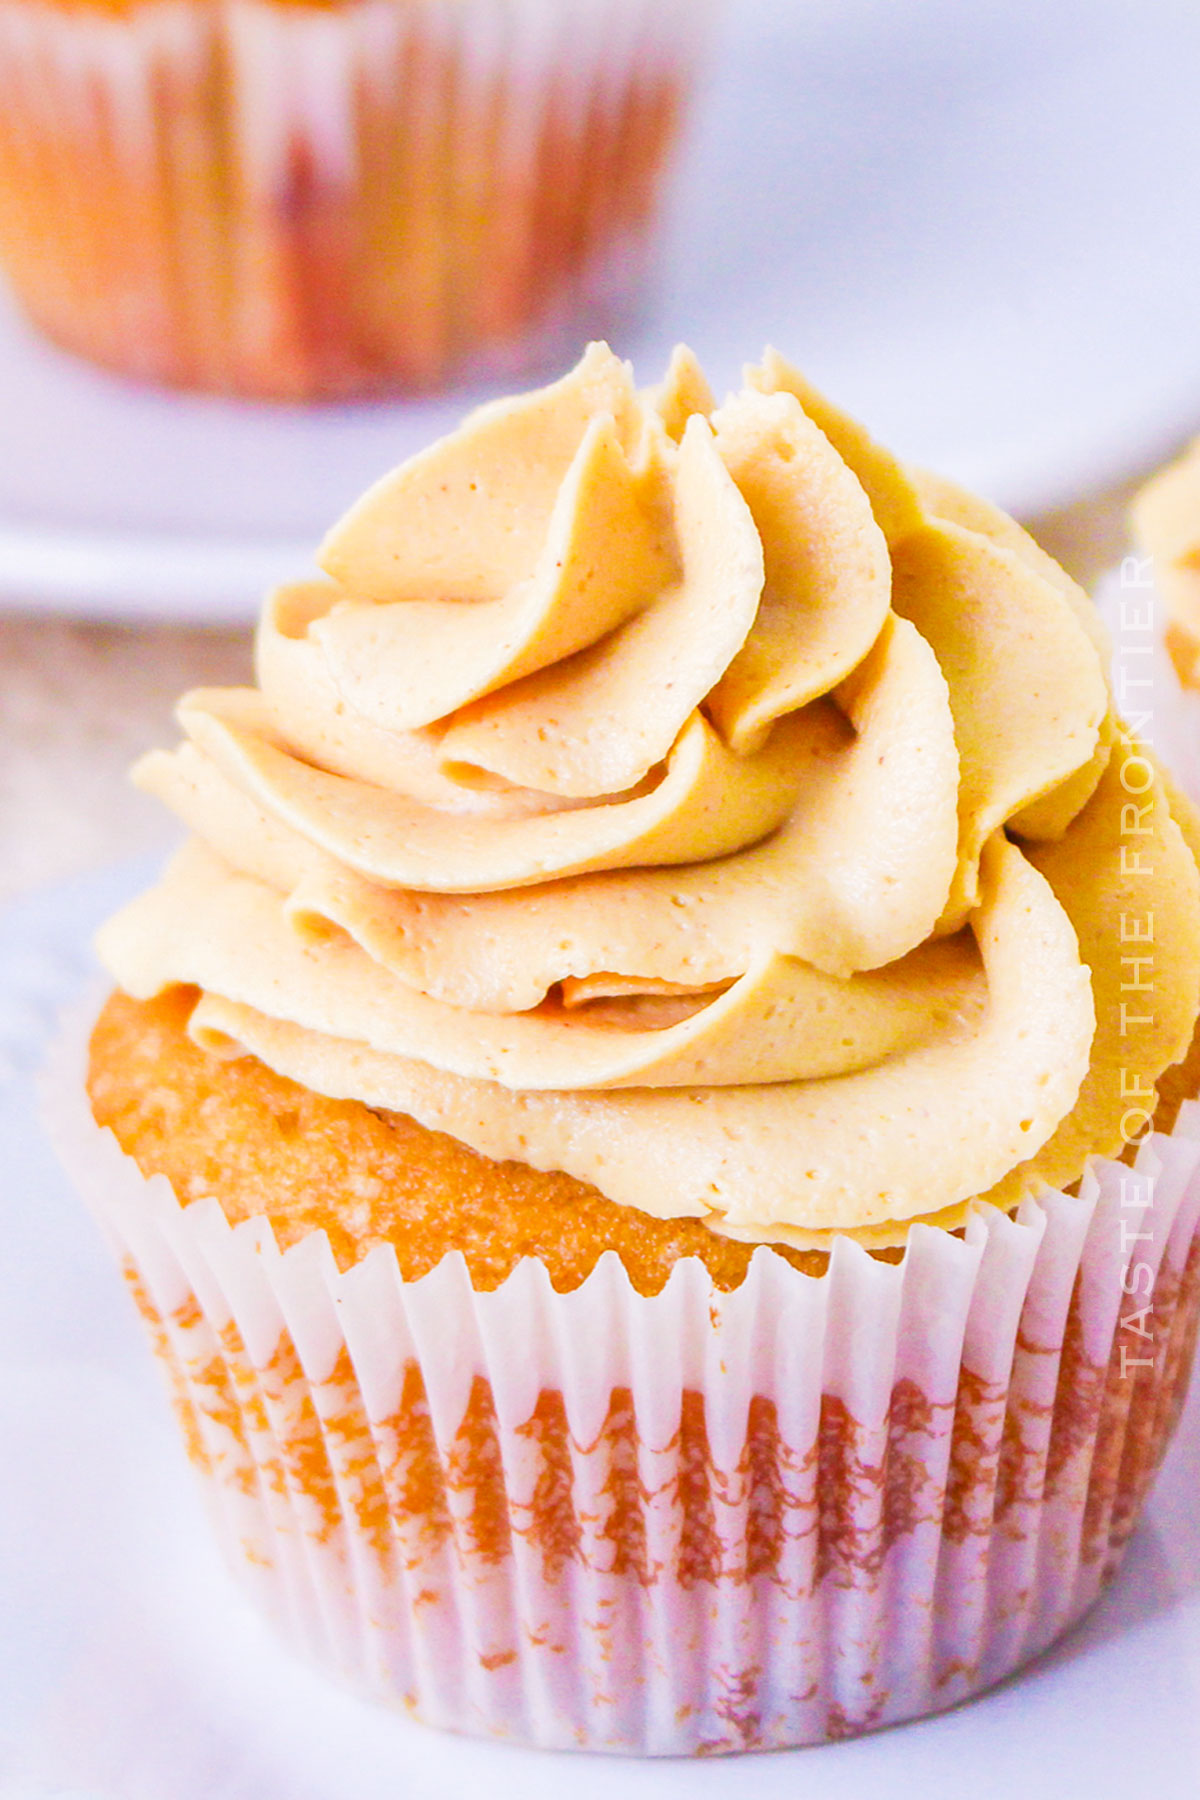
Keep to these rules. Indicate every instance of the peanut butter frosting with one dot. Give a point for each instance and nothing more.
(695, 800)
(1166, 521)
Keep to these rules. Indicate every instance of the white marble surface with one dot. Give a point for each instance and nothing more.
(78, 703)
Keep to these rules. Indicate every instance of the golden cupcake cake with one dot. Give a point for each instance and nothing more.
(651, 1118)
(319, 199)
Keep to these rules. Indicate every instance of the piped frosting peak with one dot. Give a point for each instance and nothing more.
(685, 796)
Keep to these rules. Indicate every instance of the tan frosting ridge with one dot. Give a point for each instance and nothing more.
(690, 798)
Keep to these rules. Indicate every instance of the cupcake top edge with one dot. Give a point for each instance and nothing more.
(690, 797)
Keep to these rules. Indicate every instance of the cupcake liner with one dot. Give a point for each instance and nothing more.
(294, 201)
(693, 1522)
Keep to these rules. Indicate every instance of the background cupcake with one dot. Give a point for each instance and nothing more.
(1166, 523)
(297, 201)
(1151, 604)
(576, 994)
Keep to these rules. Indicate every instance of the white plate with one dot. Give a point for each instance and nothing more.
(131, 1670)
(976, 225)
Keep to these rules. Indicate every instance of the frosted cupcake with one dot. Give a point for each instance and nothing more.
(1166, 522)
(1152, 603)
(613, 1117)
(298, 201)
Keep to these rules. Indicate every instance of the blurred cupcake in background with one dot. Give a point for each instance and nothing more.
(304, 201)
(1152, 606)
(1166, 524)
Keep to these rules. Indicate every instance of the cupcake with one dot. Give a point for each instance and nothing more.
(296, 201)
(1166, 522)
(650, 1121)
(1151, 601)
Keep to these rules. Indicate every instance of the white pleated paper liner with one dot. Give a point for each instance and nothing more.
(694, 1522)
(302, 201)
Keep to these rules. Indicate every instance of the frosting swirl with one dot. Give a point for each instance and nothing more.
(692, 799)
